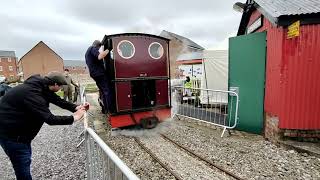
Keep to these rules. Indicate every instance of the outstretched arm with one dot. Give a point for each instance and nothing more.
(55, 99)
(103, 54)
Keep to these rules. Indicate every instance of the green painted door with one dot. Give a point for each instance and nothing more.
(247, 55)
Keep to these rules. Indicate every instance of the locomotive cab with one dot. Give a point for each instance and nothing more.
(138, 70)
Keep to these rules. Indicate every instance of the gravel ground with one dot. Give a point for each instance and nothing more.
(246, 155)
(249, 156)
(54, 153)
(187, 166)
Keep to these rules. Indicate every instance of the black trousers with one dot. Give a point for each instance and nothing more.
(103, 84)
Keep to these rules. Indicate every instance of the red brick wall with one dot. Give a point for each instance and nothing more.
(273, 133)
(271, 128)
(40, 60)
(5, 67)
(302, 135)
(77, 69)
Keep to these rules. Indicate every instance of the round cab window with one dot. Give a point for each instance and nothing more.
(126, 49)
(155, 50)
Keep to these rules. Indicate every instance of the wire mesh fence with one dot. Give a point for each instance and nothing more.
(212, 106)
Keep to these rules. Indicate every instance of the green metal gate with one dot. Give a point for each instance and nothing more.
(247, 55)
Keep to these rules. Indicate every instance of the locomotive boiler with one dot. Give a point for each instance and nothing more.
(138, 68)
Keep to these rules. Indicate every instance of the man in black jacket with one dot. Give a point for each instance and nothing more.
(94, 61)
(24, 109)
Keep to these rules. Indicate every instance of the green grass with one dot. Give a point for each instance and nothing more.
(91, 88)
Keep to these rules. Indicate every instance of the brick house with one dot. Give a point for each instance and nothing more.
(179, 45)
(76, 66)
(8, 64)
(41, 59)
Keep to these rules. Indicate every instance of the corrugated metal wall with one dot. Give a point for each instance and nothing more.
(300, 80)
(292, 89)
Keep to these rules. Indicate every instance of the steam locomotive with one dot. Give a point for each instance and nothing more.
(138, 69)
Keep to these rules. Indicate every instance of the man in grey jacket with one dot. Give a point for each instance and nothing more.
(67, 89)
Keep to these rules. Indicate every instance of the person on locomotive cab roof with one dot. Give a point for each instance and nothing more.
(24, 109)
(94, 61)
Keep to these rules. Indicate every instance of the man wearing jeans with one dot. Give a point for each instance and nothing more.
(94, 60)
(24, 109)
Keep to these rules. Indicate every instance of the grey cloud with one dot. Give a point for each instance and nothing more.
(69, 27)
(127, 12)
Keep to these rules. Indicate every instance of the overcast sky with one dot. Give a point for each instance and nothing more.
(70, 26)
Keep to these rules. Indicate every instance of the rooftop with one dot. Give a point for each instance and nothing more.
(185, 40)
(278, 8)
(7, 53)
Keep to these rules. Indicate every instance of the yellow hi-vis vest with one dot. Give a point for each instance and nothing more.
(188, 84)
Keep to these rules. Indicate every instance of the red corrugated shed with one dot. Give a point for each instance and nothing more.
(300, 80)
(292, 75)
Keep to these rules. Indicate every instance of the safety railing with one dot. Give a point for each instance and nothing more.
(216, 107)
(102, 163)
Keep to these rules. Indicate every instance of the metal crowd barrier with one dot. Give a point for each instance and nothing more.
(216, 107)
(102, 163)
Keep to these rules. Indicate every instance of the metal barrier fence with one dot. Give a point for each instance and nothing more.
(102, 163)
(211, 106)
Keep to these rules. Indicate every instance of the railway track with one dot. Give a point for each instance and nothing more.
(169, 154)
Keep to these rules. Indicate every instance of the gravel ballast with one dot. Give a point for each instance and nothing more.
(248, 156)
(54, 153)
(182, 163)
(126, 148)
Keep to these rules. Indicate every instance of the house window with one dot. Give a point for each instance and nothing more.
(9, 59)
(10, 68)
(11, 77)
(0, 68)
(4, 59)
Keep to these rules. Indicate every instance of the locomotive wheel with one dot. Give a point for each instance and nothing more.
(149, 123)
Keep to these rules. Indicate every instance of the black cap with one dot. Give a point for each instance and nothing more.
(57, 77)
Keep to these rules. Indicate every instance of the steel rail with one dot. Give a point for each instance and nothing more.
(157, 159)
(202, 158)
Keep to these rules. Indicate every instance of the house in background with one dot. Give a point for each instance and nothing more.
(76, 66)
(179, 45)
(41, 59)
(8, 64)
(78, 71)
